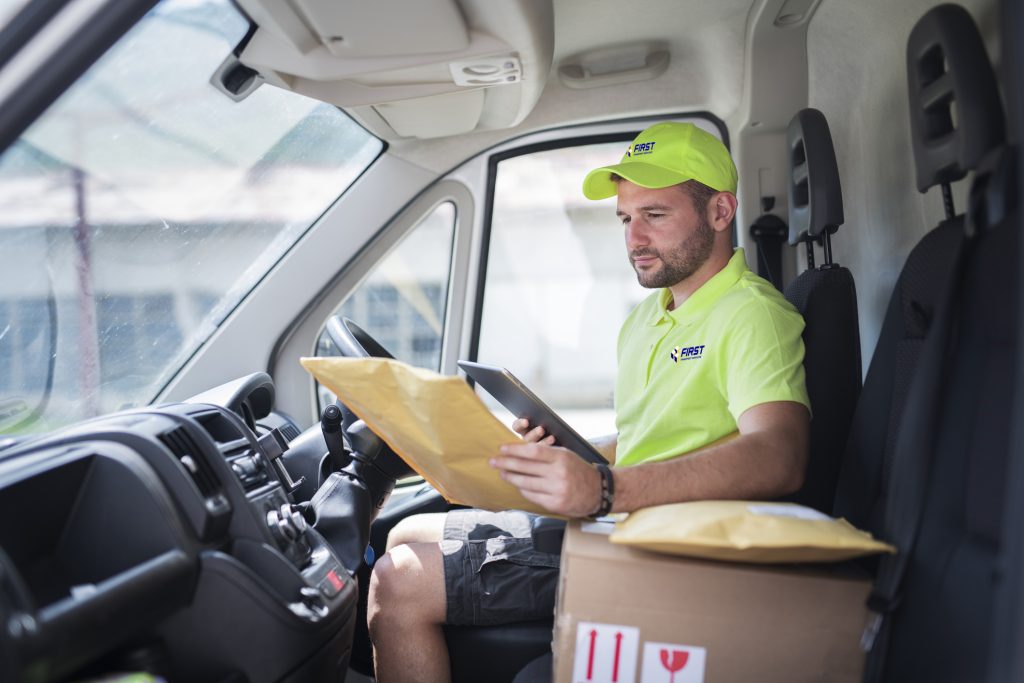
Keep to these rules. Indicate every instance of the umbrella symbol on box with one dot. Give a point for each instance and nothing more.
(673, 661)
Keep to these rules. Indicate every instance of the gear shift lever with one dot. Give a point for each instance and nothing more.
(330, 425)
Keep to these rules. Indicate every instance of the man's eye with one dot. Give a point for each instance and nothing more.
(655, 215)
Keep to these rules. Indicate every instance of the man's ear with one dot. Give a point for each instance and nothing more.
(721, 210)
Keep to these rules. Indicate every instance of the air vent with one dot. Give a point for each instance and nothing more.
(290, 431)
(185, 448)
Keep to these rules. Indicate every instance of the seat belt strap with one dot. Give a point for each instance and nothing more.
(769, 233)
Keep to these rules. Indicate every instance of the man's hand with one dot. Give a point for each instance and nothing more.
(536, 435)
(553, 477)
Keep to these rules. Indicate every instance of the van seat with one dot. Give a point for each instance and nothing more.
(827, 299)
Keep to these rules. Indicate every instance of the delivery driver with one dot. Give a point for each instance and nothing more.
(710, 403)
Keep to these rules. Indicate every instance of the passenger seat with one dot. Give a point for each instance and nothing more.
(934, 601)
(827, 299)
(947, 66)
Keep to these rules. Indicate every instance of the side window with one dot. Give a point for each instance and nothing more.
(401, 303)
(558, 284)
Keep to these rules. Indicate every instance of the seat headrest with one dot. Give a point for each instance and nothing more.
(956, 115)
(815, 195)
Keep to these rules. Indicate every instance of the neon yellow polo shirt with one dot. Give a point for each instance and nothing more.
(685, 376)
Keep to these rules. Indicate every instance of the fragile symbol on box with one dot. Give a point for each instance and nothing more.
(605, 653)
(669, 663)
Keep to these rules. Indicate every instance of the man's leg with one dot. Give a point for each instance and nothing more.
(426, 528)
(407, 604)
(468, 567)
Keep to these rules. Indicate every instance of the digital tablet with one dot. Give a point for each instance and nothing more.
(521, 402)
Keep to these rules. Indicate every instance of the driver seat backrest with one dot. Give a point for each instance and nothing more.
(827, 299)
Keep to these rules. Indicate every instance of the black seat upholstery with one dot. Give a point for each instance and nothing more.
(946, 67)
(941, 628)
(496, 653)
(945, 494)
(827, 299)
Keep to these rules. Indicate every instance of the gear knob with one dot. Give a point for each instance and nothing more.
(330, 425)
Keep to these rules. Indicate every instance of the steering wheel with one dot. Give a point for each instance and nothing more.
(353, 341)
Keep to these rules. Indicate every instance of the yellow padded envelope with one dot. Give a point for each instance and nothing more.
(436, 423)
(746, 531)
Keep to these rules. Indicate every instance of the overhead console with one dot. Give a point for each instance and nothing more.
(425, 69)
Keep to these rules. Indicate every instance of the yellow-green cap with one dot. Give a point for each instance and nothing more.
(667, 154)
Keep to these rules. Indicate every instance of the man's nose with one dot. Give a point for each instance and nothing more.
(636, 234)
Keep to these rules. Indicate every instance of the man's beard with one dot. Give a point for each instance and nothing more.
(679, 263)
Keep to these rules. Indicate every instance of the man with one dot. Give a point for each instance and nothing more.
(710, 403)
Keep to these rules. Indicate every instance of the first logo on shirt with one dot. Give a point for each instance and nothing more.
(681, 353)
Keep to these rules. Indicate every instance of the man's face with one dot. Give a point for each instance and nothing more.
(667, 240)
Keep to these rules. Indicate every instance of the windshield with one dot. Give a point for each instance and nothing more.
(143, 206)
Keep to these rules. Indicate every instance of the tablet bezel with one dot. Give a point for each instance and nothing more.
(521, 402)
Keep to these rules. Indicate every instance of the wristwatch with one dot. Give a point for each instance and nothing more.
(607, 491)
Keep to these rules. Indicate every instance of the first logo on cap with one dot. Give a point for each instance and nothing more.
(641, 148)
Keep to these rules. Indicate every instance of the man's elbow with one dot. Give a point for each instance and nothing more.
(792, 476)
(793, 452)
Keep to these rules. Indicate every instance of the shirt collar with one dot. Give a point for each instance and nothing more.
(706, 295)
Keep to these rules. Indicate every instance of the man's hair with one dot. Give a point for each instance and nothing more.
(700, 194)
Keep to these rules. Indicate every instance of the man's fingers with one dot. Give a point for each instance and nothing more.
(536, 468)
(527, 482)
(535, 435)
(521, 426)
(530, 451)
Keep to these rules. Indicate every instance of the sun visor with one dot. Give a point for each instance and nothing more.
(409, 62)
(385, 28)
(434, 116)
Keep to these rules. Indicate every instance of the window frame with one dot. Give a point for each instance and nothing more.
(374, 264)
(300, 338)
(30, 79)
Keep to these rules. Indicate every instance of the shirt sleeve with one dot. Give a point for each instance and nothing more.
(764, 357)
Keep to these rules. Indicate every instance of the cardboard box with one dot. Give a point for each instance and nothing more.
(626, 615)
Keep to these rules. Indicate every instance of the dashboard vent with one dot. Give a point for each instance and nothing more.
(290, 431)
(185, 448)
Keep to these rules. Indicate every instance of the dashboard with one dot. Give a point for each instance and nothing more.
(168, 539)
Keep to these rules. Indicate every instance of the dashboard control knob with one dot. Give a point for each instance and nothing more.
(295, 519)
(287, 523)
(281, 526)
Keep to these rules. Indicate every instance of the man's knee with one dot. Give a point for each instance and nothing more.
(407, 585)
(383, 581)
(425, 528)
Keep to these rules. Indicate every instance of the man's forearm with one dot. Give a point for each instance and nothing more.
(767, 460)
(754, 466)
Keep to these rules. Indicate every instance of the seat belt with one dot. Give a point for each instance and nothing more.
(769, 233)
